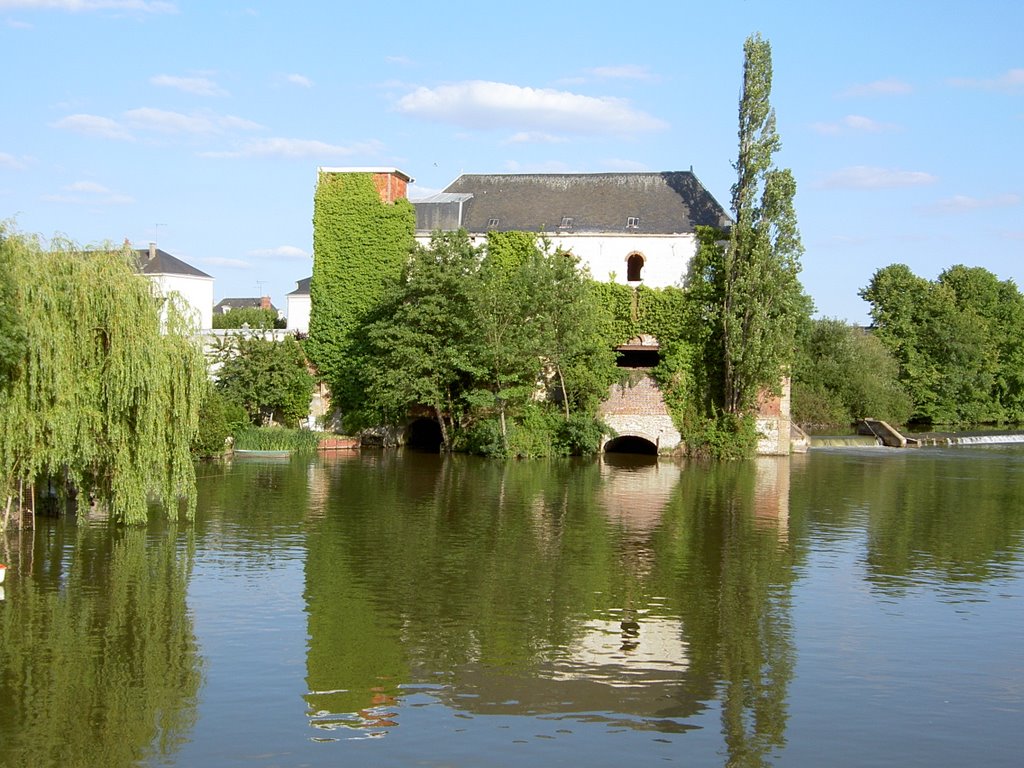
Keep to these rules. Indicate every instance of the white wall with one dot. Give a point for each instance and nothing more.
(666, 257)
(298, 312)
(197, 292)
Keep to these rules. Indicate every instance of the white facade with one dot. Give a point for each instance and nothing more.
(298, 312)
(663, 259)
(197, 293)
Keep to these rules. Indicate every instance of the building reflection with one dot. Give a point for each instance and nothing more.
(632, 593)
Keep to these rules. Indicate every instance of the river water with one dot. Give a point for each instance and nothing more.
(848, 607)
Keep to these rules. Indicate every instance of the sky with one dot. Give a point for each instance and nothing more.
(200, 125)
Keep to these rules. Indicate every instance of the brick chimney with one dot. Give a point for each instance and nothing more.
(264, 302)
(391, 183)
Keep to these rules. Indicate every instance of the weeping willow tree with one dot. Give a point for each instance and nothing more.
(101, 383)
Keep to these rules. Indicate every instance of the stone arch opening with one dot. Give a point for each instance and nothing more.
(423, 434)
(634, 267)
(631, 444)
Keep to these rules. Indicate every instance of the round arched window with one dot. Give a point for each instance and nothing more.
(634, 265)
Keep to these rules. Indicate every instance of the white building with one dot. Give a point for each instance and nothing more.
(629, 228)
(297, 308)
(172, 275)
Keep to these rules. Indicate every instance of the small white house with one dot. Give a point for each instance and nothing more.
(298, 307)
(172, 275)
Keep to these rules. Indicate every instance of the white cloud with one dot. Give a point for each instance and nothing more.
(147, 6)
(200, 86)
(868, 177)
(535, 137)
(88, 193)
(87, 186)
(625, 72)
(94, 125)
(966, 204)
(300, 80)
(295, 148)
(220, 261)
(852, 124)
(1011, 80)
(482, 104)
(11, 162)
(888, 87)
(15, 24)
(164, 121)
(281, 252)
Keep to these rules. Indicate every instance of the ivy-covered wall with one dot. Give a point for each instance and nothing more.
(360, 244)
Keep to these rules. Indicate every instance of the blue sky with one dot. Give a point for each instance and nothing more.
(201, 124)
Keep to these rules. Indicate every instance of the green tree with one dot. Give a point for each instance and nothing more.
(956, 339)
(104, 395)
(254, 317)
(762, 300)
(843, 373)
(422, 340)
(269, 379)
(360, 246)
(745, 289)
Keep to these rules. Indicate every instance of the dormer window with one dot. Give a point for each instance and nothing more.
(632, 222)
(567, 222)
(492, 223)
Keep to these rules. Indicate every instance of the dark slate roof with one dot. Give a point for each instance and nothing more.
(301, 287)
(162, 263)
(670, 202)
(229, 304)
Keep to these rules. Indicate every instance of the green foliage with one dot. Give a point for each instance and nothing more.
(422, 338)
(746, 289)
(299, 441)
(843, 373)
(360, 247)
(269, 379)
(256, 318)
(219, 418)
(957, 341)
(106, 390)
(471, 334)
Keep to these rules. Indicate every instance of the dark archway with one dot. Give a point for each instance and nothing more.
(631, 444)
(423, 434)
(634, 266)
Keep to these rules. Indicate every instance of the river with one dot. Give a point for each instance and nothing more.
(848, 607)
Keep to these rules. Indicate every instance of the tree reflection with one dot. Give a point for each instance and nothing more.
(634, 595)
(99, 664)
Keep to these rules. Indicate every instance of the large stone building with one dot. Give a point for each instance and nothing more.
(631, 228)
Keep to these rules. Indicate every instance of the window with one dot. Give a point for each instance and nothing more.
(634, 264)
(567, 222)
(492, 223)
(632, 222)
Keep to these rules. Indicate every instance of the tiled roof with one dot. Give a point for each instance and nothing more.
(244, 303)
(671, 202)
(162, 263)
(301, 287)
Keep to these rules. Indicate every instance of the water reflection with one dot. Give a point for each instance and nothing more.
(601, 591)
(99, 660)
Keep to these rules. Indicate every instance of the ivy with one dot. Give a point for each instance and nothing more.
(360, 246)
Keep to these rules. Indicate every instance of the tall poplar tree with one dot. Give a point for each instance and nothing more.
(748, 285)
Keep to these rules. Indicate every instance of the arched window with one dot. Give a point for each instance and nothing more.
(634, 264)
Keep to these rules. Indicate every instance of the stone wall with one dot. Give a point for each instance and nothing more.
(636, 408)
